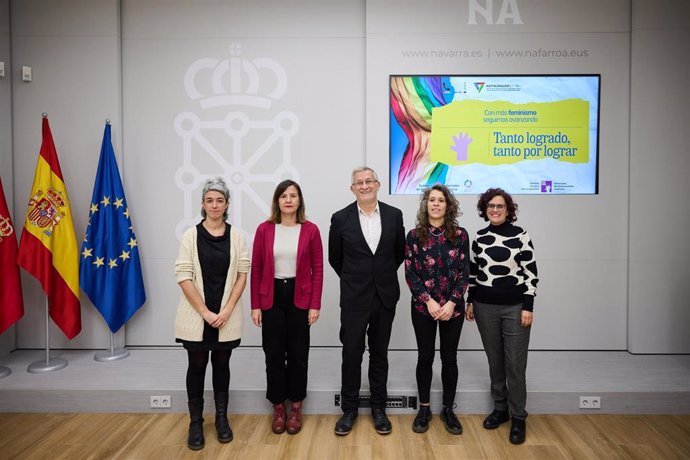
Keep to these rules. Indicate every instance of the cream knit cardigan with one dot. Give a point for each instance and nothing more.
(189, 325)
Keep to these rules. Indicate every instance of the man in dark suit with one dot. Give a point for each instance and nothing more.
(366, 245)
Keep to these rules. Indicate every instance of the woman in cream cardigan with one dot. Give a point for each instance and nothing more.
(211, 269)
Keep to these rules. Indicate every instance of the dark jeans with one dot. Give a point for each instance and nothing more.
(425, 333)
(196, 371)
(285, 339)
(376, 323)
(505, 343)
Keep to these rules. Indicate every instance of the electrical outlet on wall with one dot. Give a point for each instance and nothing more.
(590, 402)
(161, 402)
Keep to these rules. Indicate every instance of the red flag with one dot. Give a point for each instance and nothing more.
(12, 305)
(48, 248)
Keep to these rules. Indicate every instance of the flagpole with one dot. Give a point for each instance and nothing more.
(113, 354)
(48, 365)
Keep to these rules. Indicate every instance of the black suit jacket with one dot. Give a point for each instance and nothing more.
(363, 274)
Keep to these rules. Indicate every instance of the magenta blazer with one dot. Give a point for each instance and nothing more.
(309, 275)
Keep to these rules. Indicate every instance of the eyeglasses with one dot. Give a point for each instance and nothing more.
(362, 183)
(499, 207)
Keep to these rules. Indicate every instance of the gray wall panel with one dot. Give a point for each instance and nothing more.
(7, 338)
(573, 248)
(659, 166)
(293, 73)
(73, 48)
(333, 59)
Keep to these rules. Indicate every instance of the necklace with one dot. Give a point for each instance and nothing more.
(440, 231)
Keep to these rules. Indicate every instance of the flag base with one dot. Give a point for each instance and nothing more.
(50, 365)
(4, 372)
(111, 355)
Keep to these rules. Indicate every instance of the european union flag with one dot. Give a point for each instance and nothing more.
(109, 271)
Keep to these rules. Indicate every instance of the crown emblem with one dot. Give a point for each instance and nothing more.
(55, 198)
(235, 81)
(5, 227)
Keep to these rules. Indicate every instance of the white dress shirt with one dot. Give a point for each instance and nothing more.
(371, 227)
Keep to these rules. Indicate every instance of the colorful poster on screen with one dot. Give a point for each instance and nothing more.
(527, 134)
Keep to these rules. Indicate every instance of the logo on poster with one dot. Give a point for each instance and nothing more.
(509, 11)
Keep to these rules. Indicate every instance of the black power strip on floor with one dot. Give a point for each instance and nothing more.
(393, 402)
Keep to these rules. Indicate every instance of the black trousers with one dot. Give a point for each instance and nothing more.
(375, 323)
(425, 333)
(285, 339)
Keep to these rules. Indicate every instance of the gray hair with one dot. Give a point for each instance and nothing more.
(360, 169)
(216, 184)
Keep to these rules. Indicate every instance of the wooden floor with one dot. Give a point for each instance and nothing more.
(163, 436)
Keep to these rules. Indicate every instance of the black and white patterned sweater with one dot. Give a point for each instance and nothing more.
(503, 270)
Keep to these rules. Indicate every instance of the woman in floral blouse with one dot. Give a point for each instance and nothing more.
(437, 272)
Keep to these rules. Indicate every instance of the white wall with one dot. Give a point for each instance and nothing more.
(659, 164)
(333, 59)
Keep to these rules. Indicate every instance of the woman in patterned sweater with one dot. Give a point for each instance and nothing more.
(503, 281)
(437, 272)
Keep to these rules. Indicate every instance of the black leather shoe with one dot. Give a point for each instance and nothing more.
(421, 421)
(344, 425)
(495, 419)
(381, 423)
(518, 431)
(450, 421)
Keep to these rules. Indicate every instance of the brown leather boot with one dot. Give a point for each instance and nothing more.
(294, 423)
(278, 425)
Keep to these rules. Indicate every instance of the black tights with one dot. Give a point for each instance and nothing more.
(196, 372)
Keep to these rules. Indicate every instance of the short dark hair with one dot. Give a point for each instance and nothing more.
(275, 207)
(511, 206)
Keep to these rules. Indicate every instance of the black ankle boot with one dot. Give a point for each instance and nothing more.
(222, 424)
(195, 441)
(421, 421)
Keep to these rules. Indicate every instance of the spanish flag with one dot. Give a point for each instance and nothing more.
(48, 248)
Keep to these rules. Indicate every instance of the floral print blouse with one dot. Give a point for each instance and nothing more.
(439, 269)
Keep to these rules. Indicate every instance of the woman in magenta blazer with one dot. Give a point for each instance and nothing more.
(286, 284)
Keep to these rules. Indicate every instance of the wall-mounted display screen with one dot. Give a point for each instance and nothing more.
(528, 134)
